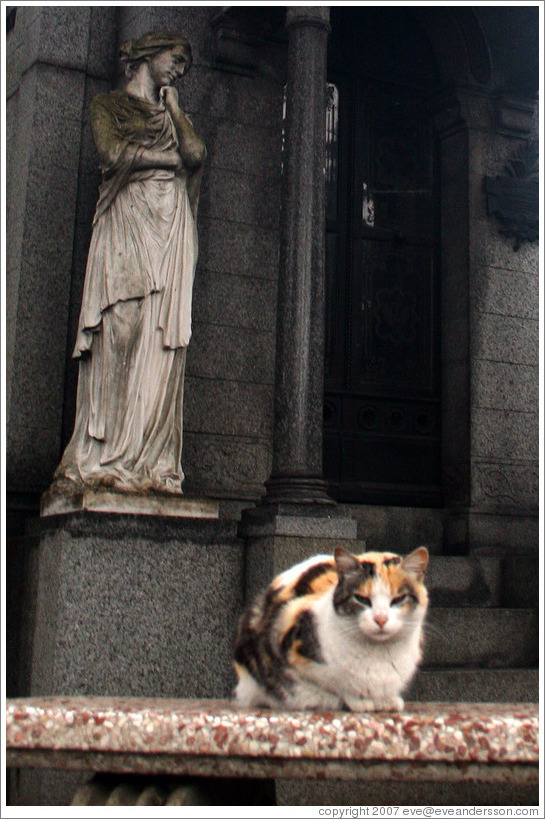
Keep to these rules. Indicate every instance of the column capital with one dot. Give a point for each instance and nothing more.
(308, 16)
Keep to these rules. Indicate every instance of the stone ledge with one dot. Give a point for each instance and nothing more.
(105, 500)
(427, 742)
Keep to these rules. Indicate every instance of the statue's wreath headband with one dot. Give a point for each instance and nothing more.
(152, 43)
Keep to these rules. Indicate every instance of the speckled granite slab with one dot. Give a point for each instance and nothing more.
(432, 741)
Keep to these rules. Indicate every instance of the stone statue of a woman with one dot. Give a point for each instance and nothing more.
(135, 321)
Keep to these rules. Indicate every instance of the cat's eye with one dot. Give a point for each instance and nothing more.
(363, 601)
(397, 601)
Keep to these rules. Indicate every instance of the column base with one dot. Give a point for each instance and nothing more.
(298, 489)
(279, 535)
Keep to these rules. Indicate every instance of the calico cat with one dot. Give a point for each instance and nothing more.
(340, 632)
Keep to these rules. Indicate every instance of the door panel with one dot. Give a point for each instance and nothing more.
(382, 439)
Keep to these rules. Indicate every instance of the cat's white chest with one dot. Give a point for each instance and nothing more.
(361, 670)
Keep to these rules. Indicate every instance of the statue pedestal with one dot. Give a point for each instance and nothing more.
(142, 605)
(130, 604)
(58, 502)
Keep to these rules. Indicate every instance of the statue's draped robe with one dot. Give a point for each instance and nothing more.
(135, 320)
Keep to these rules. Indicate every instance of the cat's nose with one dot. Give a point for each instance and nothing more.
(381, 619)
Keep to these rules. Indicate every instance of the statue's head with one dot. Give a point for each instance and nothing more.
(133, 52)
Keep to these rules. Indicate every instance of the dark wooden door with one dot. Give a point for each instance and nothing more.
(382, 436)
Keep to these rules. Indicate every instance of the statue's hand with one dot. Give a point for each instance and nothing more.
(169, 95)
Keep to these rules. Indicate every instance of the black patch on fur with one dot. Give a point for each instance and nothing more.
(369, 569)
(345, 588)
(303, 585)
(348, 584)
(253, 647)
(304, 631)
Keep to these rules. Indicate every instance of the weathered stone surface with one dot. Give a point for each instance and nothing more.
(298, 415)
(481, 638)
(22, 46)
(38, 304)
(464, 581)
(301, 521)
(241, 249)
(237, 197)
(243, 148)
(64, 35)
(232, 466)
(514, 485)
(521, 580)
(505, 386)
(228, 407)
(500, 530)
(102, 58)
(462, 747)
(234, 353)
(498, 432)
(293, 792)
(475, 685)
(489, 153)
(63, 503)
(506, 338)
(192, 23)
(506, 292)
(136, 604)
(246, 302)
(254, 101)
(397, 528)
(491, 249)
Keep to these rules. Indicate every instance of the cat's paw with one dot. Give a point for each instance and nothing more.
(357, 704)
(389, 704)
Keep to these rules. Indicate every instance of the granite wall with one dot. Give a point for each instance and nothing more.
(52, 53)
(136, 605)
(504, 352)
(494, 381)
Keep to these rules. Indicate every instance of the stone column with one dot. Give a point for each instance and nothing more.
(297, 459)
(297, 518)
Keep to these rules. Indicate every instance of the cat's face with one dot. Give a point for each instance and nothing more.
(383, 593)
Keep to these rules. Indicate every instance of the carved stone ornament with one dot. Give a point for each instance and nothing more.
(513, 198)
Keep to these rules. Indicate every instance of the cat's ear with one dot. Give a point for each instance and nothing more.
(345, 561)
(417, 562)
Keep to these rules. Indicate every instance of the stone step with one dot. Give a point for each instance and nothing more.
(475, 685)
(464, 581)
(453, 581)
(482, 580)
(481, 638)
(399, 528)
(520, 581)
